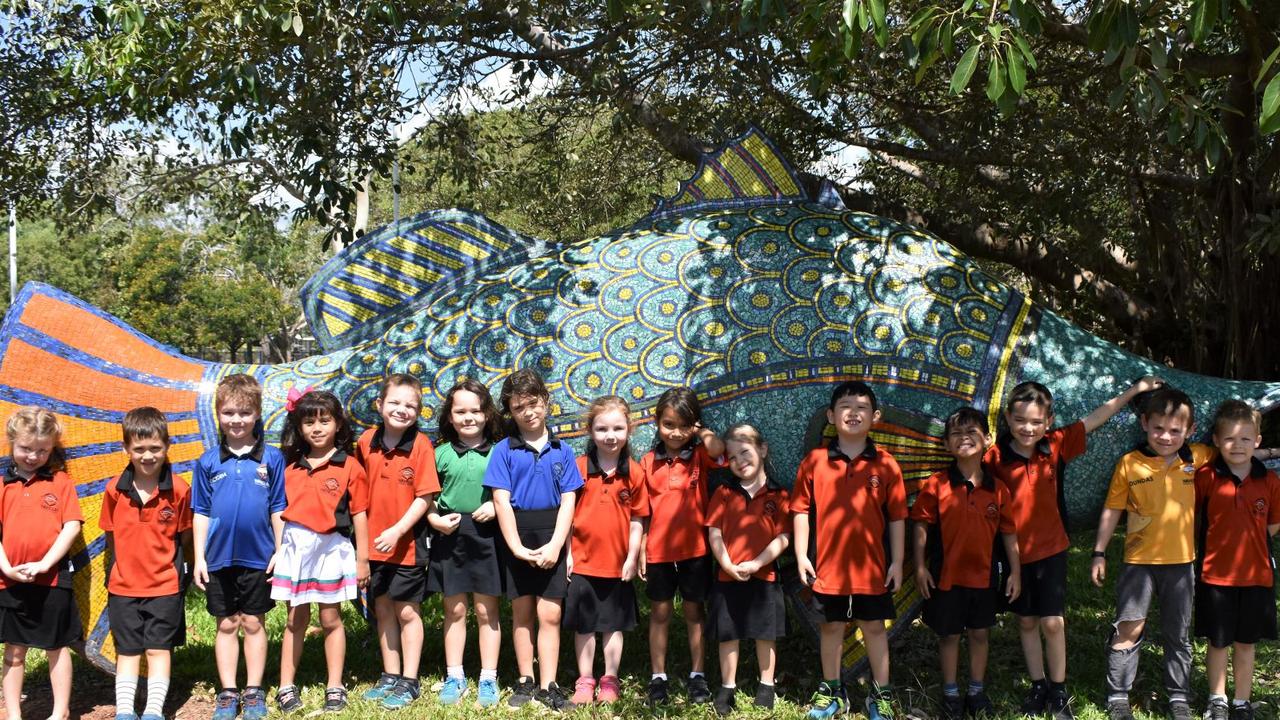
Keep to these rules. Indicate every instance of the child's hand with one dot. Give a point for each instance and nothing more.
(524, 554)
(444, 524)
(548, 555)
(568, 564)
(1098, 570)
(642, 566)
(805, 568)
(12, 573)
(484, 513)
(362, 574)
(271, 565)
(1147, 383)
(29, 571)
(924, 582)
(747, 569)
(629, 568)
(200, 575)
(893, 579)
(387, 539)
(1013, 588)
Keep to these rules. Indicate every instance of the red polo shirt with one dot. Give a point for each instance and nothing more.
(1236, 514)
(677, 486)
(1036, 489)
(602, 516)
(323, 498)
(396, 477)
(32, 513)
(968, 518)
(850, 502)
(748, 524)
(146, 537)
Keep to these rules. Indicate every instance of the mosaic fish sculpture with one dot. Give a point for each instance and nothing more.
(741, 285)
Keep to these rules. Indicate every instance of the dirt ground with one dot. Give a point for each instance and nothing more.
(93, 698)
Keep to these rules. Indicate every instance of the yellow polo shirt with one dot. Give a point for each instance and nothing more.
(1160, 497)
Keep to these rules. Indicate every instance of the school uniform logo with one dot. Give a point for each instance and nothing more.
(330, 486)
(1260, 507)
(49, 502)
(992, 510)
(557, 471)
(873, 482)
(260, 477)
(770, 508)
(406, 476)
(624, 495)
(166, 515)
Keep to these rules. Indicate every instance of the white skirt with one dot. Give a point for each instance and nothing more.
(314, 568)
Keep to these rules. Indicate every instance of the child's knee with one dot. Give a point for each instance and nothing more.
(407, 613)
(549, 613)
(1053, 625)
(455, 611)
(660, 612)
(1030, 623)
(979, 636)
(15, 656)
(299, 617)
(229, 624)
(483, 614)
(330, 618)
(692, 612)
(872, 628)
(252, 624)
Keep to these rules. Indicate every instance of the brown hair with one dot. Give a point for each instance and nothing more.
(239, 388)
(520, 382)
(1234, 411)
(748, 433)
(1165, 401)
(602, 405)
(396, 380)
(682, 400)
(1030, 392)
(492, 418)
(144, 423)
(39, 423)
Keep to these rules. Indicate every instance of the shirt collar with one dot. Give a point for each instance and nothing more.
(337, 458)
(127, 485)
(516, 442)
(1256, 469)
(11, 474)
(957, 478)
(1008, 454)
(623, 471)
(835, 453)
(686, 452)
(255, 452)
(461, 449)
(406, 440)
(770, 485)
(1184, 452)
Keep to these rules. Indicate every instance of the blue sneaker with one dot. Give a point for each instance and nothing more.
(453, 690)
(227, 705)
(253, 704)
(828, 703)
(148, 716)
(879, 706)
(126, 716)
(404, 693)
(381, 688)
(487, 696)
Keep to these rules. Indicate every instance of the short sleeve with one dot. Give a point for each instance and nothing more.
(184, 507)
(571, 479)
(1005, 500)
(278, 499)
(925, 508)
(358, 487)
(1072, 441)
(71, 511)
(497, 474)
(639, 504)
(1273, 507)
(784, 509)
(1204, 483)
(426, 481)
(1118, 491)
(803, 488)
(715, 509)
(201, 489)
(710, 463)
(897, 500)
(106, 516)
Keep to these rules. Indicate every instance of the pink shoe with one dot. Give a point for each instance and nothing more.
(583, 691)
(610, 689)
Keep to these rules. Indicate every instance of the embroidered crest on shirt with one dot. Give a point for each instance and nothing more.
(873, 482)
(330, 486)
(770, 508)
(624, 495)
(1260, 507)
(406, 476)
(992, 510)
(50, 502)
(166, 515)
(557, 471)
(260, 477)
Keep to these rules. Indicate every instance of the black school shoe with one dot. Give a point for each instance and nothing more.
(1036, 700)
(1119, 710)
(1180, 710)
(765, 696)
(699, 691)
(978, 705)
(553, 698)
(952, 707)
(1059, 705)
(657, 692)
(725, 702)
(1242, 712)
(522, 693)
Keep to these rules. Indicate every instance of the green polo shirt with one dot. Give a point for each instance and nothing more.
(461, 470)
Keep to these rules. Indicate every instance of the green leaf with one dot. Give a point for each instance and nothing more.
(995, 78)
(1017, 72)
(1158, 97)
(877, 12)
(1025, 47)
(1266, 65)
(968, 5)
(1159, 55)
(964, 69)
(286, 22)
(1204, 15)
(922, 16)
(1270, 105)
(995, 30)
(847, 13)
(297, 24)
(1116, 98)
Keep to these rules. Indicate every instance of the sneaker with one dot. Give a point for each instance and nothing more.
(403, 694)
(227, 705)
(765, 696)
(453, 690)
(126, 716)
(487, 693)
(699, 692)
(381, 688)
(952, 707)
(1219, 711)
(1179, 710)
(1036, 700)
(335, 699)
(610, 689)
(1242, 712)
(150, 716)
(522, 693)
(287, 699)
(879, 706)
(978, 704)
(657, 691)
(553, 699)
(584, 691)
(828, 703)
(1119, 710)
(253, 704)
(1060, 706)
(724, 702)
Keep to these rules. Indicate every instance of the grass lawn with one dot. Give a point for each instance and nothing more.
(914, 660)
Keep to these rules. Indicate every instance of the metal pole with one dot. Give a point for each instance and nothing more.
(13, 251)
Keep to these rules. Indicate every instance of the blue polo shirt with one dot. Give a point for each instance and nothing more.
(239, 494)
(535, 479)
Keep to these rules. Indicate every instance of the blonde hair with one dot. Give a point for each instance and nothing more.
(39, 423)
(602, 405)
(1234, 411)
(240, 388)
(746, 433)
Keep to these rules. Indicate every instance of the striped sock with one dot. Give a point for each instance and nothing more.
(157, 689)
(975, 687)
(126, 693)
(951, 690)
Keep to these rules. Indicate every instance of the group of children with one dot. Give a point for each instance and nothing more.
(500, 506)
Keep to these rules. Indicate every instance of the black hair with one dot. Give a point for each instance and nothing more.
(1167, 400)
(964, 417)
(313, 404)
(682, 400)
(492, 418)
(853, 388)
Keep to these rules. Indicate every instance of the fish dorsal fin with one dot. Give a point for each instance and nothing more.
(364, 288)
(745, 171)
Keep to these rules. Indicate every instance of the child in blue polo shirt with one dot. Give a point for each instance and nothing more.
(237, 499)
(533, 476)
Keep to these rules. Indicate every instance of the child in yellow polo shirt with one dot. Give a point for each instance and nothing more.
(1155, 484)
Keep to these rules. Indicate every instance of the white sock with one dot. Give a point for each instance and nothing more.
(765, 684)
(728, 687)
(488, 675)
(694, 674)
(1221, 699)
(157, 689)
(660, 676)
(126, 693)
(454, 671)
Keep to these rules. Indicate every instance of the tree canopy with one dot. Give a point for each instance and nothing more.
(1121, 155)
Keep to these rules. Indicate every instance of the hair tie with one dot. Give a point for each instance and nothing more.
(295, 395)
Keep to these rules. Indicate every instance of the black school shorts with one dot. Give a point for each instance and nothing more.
(691, 577)
(1226, 615)
(39, 616)
(402, 583)
(238, 590)
(535, 528)
(1044, 588)
(751, 610)
(951, 612)
(599, 605)
(850, 608)
(150, 623)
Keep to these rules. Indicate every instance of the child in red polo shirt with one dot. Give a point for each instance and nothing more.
(39, 519)
(400, 465)
(1238, 504)
(747, 529)
(850, 494)
(1028, 458)
(146, 515)
(958, 513)
(608, 525)
(674, 556)
(328, 504)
